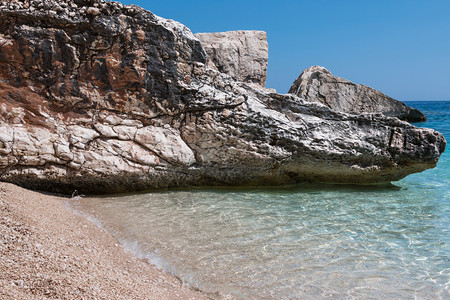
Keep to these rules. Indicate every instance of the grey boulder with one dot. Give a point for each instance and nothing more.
(242, 54)
(317, 84)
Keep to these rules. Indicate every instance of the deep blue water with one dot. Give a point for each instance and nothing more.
(302, 242)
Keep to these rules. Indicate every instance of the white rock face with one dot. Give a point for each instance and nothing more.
(167, 143)
(317, 84)
(242, 54)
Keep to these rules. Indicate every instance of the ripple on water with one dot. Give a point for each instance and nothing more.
(306, 241)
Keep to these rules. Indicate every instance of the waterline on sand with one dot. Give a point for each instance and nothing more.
(307, 241)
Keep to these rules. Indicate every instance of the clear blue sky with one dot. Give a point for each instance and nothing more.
(400, 47)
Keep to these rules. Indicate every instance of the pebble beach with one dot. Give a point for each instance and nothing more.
(48, 252)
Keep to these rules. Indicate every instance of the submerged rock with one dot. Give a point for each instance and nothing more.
(242, 54)
(116, 99)
(317, 84)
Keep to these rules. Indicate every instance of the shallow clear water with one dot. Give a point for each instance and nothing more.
(307, 241)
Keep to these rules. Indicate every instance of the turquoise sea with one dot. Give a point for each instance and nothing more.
(297, 242)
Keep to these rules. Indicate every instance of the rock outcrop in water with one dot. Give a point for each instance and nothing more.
(101, 97)
(242, 54)
(317, 84)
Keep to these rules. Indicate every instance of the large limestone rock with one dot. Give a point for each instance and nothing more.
(317, 84)
(101, 97)
(242, 54)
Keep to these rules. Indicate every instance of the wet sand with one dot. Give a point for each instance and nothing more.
(48, 251)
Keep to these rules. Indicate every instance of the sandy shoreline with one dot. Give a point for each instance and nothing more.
(49, 252)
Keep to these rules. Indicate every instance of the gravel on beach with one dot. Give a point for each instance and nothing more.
(47, 251)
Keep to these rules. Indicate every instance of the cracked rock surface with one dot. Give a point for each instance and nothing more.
(102, 97)
(317, 84)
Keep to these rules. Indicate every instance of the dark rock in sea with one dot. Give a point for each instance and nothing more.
(317, 84)
(98, 97)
